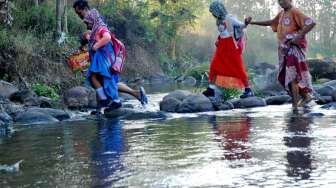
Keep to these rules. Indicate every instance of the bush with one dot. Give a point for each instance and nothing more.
(46, 91)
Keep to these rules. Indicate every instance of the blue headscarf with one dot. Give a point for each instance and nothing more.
(218, 9)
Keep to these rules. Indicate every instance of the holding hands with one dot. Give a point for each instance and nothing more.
(248, 20)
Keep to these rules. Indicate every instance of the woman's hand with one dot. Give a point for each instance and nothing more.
(248, 20)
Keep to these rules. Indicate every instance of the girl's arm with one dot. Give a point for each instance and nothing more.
(103, 41)
(262, 23)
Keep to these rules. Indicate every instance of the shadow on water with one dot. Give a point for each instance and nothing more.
(298, 141)
(233, 136)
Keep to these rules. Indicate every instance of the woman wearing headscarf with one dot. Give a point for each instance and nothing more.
(291, 26)
(227, 67)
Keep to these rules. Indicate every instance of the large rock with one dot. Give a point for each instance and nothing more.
(326, 91)
(189, 81)
(132, 114)
(195, 103)
(330, 83)
(322, 68)
(26, 97)
(278, 100)
(250, 102)
(321, 100)
(170, 104)
(268, 83)
(56, 113)
(226, 106)
(77, 97)
(262, 68)
(179, 95)
(7, 89)
(34, 118)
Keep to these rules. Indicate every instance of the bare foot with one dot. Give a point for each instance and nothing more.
(305, 101)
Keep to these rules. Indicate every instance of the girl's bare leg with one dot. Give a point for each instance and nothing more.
(95, 81)
(125, 89)
(295, 94)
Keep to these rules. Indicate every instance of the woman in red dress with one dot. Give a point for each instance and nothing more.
(227, 67)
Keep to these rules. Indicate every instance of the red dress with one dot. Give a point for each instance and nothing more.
(227, 67)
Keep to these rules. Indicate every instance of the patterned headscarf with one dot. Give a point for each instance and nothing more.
(94, 18)
(218, 9)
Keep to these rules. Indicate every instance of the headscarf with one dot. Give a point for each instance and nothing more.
(94, 18)
(218, 9)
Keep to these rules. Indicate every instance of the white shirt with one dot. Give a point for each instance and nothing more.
(224, 32)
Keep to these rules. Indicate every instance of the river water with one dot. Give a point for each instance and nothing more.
(259, 147)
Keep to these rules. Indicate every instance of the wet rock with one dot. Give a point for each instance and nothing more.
(226, 106)
(324, 100)
(278, 100)
(34, 118)
(76, 97)
(7, 89)
(250, 102)
(326, 91)
(322, 68)
(26, 97)
(195, 103)
(330, 106)
(218, 99)
(5, 118)
(170, 104)
(179, 95)
(132, 114)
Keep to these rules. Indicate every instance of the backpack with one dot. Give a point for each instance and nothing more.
(120, 55)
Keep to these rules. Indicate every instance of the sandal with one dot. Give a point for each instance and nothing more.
(143, 98)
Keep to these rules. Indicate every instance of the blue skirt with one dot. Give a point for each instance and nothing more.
(100, 64)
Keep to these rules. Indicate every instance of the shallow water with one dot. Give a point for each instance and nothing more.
(260, 147)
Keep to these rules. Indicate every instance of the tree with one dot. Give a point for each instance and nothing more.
(58, 19)
(65, 17)
(36, 3)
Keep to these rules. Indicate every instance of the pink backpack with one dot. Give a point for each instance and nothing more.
(120, 55)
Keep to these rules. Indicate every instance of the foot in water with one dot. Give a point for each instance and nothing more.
(143, 98)
(304, 102)
(247, 93)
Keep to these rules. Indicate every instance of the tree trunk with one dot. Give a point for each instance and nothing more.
(58, 19)
(36, 3)
(65, 17)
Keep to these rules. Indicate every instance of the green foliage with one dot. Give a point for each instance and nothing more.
(199, 71)
(230, 93)
(5, 42)
(46, 91)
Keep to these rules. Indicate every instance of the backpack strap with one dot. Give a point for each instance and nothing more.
(229, 27)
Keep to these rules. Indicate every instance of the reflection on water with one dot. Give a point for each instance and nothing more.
(298, 141)
(233, 136)
(261, 147)
(108, 148)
